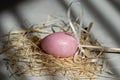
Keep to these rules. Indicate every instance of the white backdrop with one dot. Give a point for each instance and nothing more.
(104, 14)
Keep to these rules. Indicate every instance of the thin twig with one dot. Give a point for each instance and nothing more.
(103, 48)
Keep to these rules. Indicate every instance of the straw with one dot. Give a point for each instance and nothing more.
(27, 57)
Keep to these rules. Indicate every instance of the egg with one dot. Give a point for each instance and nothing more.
(59, 44)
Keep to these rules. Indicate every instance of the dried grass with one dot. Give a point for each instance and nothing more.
(24, 56)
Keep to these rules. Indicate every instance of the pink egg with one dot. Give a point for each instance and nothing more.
(59, 44)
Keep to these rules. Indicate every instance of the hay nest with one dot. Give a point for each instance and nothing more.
(24, 55)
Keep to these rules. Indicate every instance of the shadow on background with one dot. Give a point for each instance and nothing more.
(9, 5)
(116, 4)
(65, 6)
(2, 75)
(107, 26)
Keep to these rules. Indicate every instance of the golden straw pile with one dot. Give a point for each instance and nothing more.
(24, 55)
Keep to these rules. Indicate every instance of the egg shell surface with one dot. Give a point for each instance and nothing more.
(59, 44)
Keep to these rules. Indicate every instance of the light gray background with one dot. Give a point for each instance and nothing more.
(105, 14)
